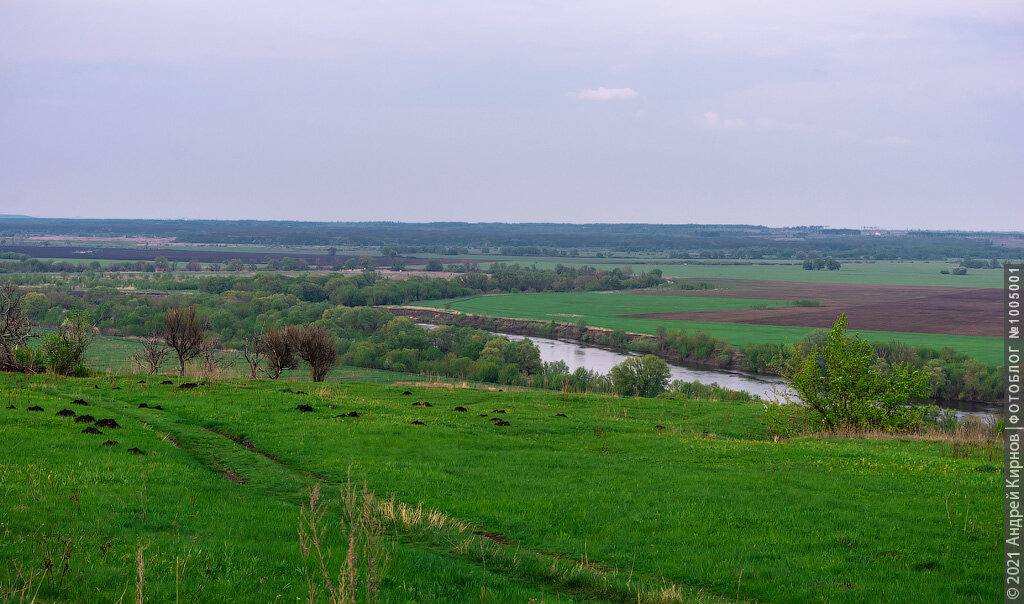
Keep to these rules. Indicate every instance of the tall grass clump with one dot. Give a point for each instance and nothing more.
(366, 552)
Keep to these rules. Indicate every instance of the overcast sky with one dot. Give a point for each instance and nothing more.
(895, 113)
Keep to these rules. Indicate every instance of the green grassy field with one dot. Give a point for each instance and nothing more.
(881, 273)
(595, 506)
(602, 309)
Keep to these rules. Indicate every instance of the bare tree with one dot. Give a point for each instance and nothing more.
(211, 357)
(15, 327)
(152, 354)
(253, 351)
(279, 351)
(317, 348)
(185, 333)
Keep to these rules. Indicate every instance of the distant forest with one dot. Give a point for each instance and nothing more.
(536, 239)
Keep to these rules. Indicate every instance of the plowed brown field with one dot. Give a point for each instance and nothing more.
(938, 310)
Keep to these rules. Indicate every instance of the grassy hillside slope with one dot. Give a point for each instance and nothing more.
(598, 505)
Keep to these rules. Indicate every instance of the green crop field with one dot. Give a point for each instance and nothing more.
(603, 309)
(594, 506)
(880, 273)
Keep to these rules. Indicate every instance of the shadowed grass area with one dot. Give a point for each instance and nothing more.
(600, 505)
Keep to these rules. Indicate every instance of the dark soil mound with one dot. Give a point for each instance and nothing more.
(141, 382)
(498, 411)
(36, 408)
(110, 443)
(659, 428)
(501, 422)
(157, 407)
(108, 423)
(143, 406)
(304, 408)
(483, 415)
(135, 451)
(460, 408)
(559, 415)
(188, 385)
(406, 393)
(11, 407)
(85, 418)
(79, 401)
(116, 388)
(417, 422)
(66, 413)
(166, 383)
(353, 414)
(91, 430)
(96, 386)
(494, 419)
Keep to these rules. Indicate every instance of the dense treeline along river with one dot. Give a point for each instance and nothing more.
(768, 387)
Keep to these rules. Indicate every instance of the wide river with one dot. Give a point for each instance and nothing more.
(768, 387)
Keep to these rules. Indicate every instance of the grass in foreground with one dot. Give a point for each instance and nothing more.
(597, 505)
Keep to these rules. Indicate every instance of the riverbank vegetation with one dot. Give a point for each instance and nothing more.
(240, 305)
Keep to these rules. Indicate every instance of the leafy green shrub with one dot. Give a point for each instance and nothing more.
(705, 392)
(65, 348)
(838, 382)
(640, 376)
(806, 303)
(29, 359)
(766, 357)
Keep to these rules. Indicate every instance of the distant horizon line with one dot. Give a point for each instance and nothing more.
(500, 222)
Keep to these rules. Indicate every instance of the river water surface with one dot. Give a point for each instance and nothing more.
(768, 387)
(597, 359)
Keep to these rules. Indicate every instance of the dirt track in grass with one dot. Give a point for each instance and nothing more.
(913, 309)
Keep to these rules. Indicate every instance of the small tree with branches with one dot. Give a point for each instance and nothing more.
(279, 351)
(185, 333)
(316, 348)
(151, 355)
(15, 327)
(253, 351)
(212, 358)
